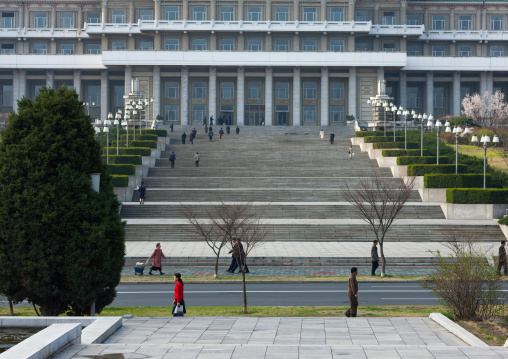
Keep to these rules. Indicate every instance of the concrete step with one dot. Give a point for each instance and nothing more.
(263, 130)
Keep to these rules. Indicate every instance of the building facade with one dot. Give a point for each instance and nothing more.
(272, 62)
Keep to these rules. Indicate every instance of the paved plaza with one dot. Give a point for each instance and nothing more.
(245, 338)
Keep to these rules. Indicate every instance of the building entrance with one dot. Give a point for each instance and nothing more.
(282, 116)
(254, 115)
(226, 115)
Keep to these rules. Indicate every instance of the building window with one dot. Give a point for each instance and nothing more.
(336, 45)
(226, 90)
(40, 49)
(337, 90)
(413, 50)
(198, 113)
(67, 49)
(309, 90)
(464, 91)
(254, 13)
(94, 95)
(388, 18)
(199, 13)
(412, 97)
(309, 45)
(438, 22)
(309, 14)
(118, 16)
(281, 14)
(412, 19)
(226, 45)
(118, 92)
(254, 90)
(438, 51)
(146, 15)
(40, 20)
(93, 18)
(465, 22)
(8, 20)
(171, 44)
(199, 44)
(254, 44)
(336, 113)
(171, 13)
(361, 15)
(388, 47)
(309, 113)
(439, 97)
(93, 49)
(496, 22)
(67, 20)
(146, 45)
(337, 14)
(199, 90)
(281, 45)
(171, 90)
(282, 90)
(362, 46)
(118, 45)
(496, 51)
(171, 113)
(7, 96)
(465, 51)
(7, 49)
(226, 13)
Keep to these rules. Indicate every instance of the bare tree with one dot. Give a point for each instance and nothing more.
(378, 201)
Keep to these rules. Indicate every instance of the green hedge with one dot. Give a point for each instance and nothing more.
(159, 132)
(374, 139)
(504, 221)
(399, 153)
(123, 159)
(372, 133)
(469, 180)
(421, 170)
(121, 169)
(140, 137)
(142, 151)
(421, 160)
(397, 145)
(149, 144)
(476, 196)
(120, 180)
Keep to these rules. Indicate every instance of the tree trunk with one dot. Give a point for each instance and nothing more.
(11, 307)
(216, 269)
(383, 261)
(244, 291)
(51, 310)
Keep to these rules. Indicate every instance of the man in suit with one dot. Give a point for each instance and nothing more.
(503, 263)
(172, 159)
(184, 136)
(233, 264)
(352, 293)
(374, 258)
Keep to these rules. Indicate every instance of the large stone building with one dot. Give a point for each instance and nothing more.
(299, 62)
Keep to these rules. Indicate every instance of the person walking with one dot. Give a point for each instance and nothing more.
(206, 129)
(221, 133)
(178, 302)
(502, 262)
(210, 129)
(322, 134)
(350, 152)
(210, 135)
(196, 159)
(332, 138)
(157, 256)
(237, 130)
(211, 120)
(204, 120)
(352, 293)
(142, 192)
(184, 136)
(374, 258)
(234, 263)
(191, 137)
(228, 129)
(172, 159)
(195, 132)
(240, 256)
(171, 127)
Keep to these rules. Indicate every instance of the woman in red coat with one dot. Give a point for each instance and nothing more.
(157, 256)
(179, 302)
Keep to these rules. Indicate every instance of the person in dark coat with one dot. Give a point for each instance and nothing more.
(332, 137)
(240, 255)
(172, 159)
(204, 120)
(237, 130)
(503, 263)
(191, 137)
(142, 192)
(171, 127)
(211, 120)
(184, 136)
(221, 133)
(210, 129)
(195, 132)
(234, 263)
(352, 293)
(206, 129)
(228, 129)
(157, 256)
(210, 135)
(374, 258)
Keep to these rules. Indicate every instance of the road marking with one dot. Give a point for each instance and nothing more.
(410, 298)
(277, 291)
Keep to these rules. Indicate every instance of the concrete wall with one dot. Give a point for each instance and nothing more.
(437, 195)
(473, 211)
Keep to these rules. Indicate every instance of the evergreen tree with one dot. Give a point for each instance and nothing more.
(61, 243)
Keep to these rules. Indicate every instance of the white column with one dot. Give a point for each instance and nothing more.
(212, 91)
(157, 10)
(325, 116)
(483, 82)
(430, 93)
(240, 96)
(49, 79)
(490, 82)
(184, 104)
(77, 83)
(296, 97)
(352, 92)
(380, 76)
(128, 79)
(104, 13)
(18, 87)
(104, 94)
(156, 109)
(268, 97)
(456, 94)
(403, 89)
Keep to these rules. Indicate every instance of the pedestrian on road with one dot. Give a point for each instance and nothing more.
(322, 134)
(237, 130)
(142, 192)
(228, 129)
(221, 133)
(352, 293)
(171, 127)
(178, 302)
(172, 159)
(157, 256)
(234, 263)
(184, 136)
(196, 159)
(210, 135)
(332, 138)
(350, 152)
(503, 263)
(374, 258)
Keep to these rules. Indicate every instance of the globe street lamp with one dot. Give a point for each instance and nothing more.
(485, 139)
(399, 112)
(118, 117)
(385, 107)
(405, 113)
(107, 123)
(438, 125)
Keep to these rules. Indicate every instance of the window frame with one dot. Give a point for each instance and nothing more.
(464, 24)
(340, 46)
(199, 46)
(254, 15)
(171, 109)
(281, 90)
(38, 17)
(435, 51)
(227, 92)
(67, 51)
(500, 21)
(460, 51)
(306, 109)
(114, 48)
(199, 15)
(251, 45)
(254, 90)
(199, 92)
(63, 20)
(411, 22)
(11, 49)
(333, 109)
(339, 13)
(389, 20)
(171, 92)
(230, 14)
(168, 47)
(309, 90)
(308, 15)
(307, 46)
(97, 18)
(40, 51)
(119, 17)
(141, 17)
(287, 45)
(168, 10)
(286, 13)
(338, 92)
(441, 22)
(145, 42)
(12, 19)
(98, 49)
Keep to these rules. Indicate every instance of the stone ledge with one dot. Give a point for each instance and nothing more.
(434, 195)
(457, 330)
(473, 211)
(100, 330)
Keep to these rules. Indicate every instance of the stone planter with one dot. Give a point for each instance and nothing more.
(135, 181)
(356, 141)
(436, 195)
(124, 194)
(399, 171)
(504, 228)
(418, 182)
(387, 161)
(375, 154)
(473, 211)
(366, 146)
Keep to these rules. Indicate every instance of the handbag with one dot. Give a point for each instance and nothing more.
(178, 312)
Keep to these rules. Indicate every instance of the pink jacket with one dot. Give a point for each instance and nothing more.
(157, 255)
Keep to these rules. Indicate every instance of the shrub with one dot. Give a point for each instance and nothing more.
(410, 160)
(121, 169)
(504, 221)
(397, 145)
(399, 153)
(461, 121)
(120, 180)
(476, 196)
(139, 137)
(420, 170)
(149, 144)
(123, 159)
(142, 151)
(372, 133)
(158, 132)
(470, 180)
(374, 139)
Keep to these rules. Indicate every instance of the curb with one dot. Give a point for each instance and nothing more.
(266, 282)
(456, 329)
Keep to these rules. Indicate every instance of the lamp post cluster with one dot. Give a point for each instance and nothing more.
(387, 107)
(457, 131)
(485, 139)
(107, 124)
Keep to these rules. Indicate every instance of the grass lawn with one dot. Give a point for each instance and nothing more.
(269, 279)
(493, 155)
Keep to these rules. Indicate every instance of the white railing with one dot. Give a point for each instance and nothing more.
(408, 30)
(473, 35)
(110, 28)
(32, 32)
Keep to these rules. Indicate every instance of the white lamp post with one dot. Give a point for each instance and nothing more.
(485, 139)
(118, 117)
(438, 125)
(107, 123)
(385, 107)
(405, 113)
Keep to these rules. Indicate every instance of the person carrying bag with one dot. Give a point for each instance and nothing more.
(178, 302)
